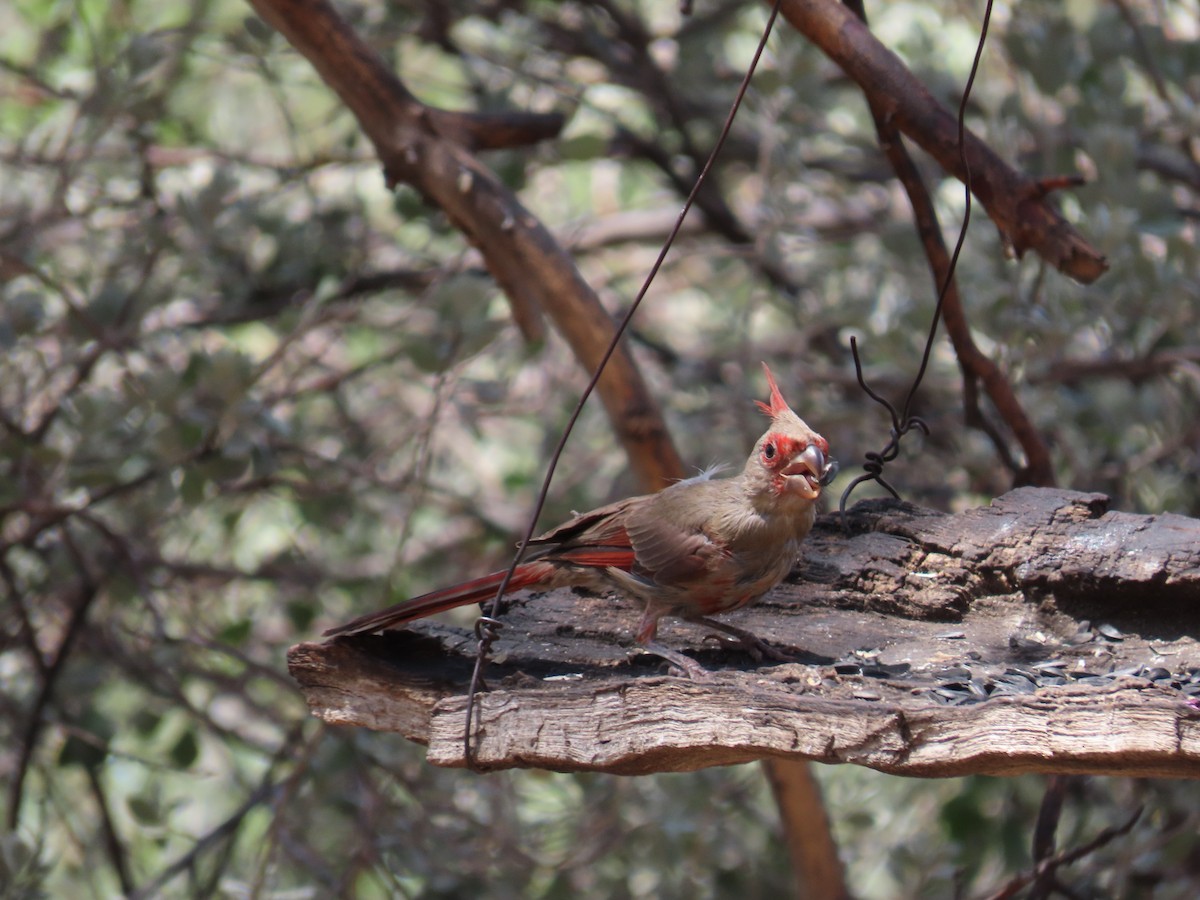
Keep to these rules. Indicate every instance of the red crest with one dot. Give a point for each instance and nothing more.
(777, 404)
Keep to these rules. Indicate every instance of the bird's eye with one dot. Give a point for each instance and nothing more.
(769, 451)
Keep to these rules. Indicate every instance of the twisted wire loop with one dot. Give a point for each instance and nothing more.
(903, 423)
(487, 630)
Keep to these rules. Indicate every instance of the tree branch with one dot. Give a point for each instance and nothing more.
(1016, 202)
(80, 604)
(806, 830)
(429, 150)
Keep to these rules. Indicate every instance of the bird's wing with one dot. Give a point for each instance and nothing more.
(656, 537)
(670, 541)
(597, 538)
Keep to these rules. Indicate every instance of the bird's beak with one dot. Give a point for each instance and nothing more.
(831, 469)
(812, 470)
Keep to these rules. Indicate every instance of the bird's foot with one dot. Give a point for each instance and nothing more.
(745, 640)
(684, 665)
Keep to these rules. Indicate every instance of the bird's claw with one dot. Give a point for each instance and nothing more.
(746, 641)
(754, 647)
(684, 665)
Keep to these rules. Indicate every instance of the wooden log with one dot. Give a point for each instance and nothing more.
(1042, 633)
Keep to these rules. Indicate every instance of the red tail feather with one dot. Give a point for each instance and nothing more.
(598, 557)
(473, 591)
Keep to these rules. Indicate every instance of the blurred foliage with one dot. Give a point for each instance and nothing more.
(247, 393)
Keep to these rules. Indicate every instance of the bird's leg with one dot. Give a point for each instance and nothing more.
(746, 640)
(646, 636)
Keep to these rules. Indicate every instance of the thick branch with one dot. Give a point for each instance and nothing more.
(428, 149)
(1016, 203)
(806, 830)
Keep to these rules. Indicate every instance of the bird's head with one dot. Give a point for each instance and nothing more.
(790, 459)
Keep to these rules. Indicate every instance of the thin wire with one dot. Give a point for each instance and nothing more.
(904, 422)
(488, 626)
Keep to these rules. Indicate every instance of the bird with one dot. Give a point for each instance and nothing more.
(701, 546)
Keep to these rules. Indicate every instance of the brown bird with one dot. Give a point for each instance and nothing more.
(701, 546)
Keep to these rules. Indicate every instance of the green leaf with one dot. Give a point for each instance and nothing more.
(186, 750)
(235, 633)
(192, 489)
(78, 752)
(24, 312)
(302, 613)
(145, 722)
(146, 810)
(258, 29)
(584, 147)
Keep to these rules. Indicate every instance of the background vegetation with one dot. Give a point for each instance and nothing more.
(247, 392)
